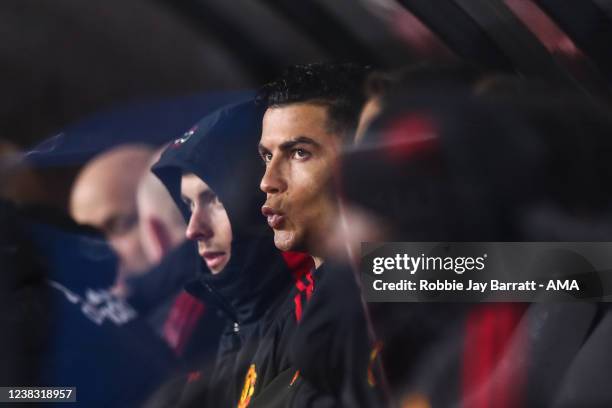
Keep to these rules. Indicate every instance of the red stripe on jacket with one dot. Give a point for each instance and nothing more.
(489, 377)
(301, 266)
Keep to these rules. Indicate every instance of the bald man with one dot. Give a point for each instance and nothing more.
(104, 196)
(162, 226)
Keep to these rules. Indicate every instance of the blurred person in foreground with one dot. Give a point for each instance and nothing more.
(436, 168)
(311, 112)
(453, 167)
(64, 327)
(104, 196)
(162, 227)
(212, 174)
(419, 77)
(162, 235)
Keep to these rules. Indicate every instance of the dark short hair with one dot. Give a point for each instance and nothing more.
(339, 87)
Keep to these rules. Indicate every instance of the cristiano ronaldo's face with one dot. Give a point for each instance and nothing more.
(300, 154)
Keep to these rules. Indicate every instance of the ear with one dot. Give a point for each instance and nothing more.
(160, 238)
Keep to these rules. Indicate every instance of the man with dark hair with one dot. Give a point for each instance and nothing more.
(312, 111)
(334, 88)
(325, 348)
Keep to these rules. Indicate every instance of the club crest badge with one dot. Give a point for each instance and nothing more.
(249, 387)
(373, 356)
(186, 136)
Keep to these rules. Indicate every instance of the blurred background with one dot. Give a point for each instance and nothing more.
(118, 71)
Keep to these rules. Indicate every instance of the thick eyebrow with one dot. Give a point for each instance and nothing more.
(262, 149)
(289, 144)
(185, 199)
(298, 140)
(206, 195)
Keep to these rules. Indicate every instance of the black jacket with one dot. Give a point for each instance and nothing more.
(188, 325)
(222, 151)
(157, 288)
(320, 351)
(295, 336)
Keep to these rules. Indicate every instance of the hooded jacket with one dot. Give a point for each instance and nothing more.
(222, 151)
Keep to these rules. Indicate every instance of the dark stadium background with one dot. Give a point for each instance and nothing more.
(100, 72)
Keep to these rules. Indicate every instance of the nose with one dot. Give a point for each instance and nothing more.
(273, 180)
(199, 227)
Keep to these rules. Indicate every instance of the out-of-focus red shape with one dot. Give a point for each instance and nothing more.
(494, 340)
(301, 266)
(544, 28)
(408, 136)
(182, 319)
(408, 28)
(418, 36)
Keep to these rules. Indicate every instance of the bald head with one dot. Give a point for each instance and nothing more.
(104, 196)
(162, 226)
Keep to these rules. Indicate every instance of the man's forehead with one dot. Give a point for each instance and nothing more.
(190, 183)
(294, 121)
(97, 200)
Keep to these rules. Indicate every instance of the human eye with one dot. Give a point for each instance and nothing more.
(300, 154)
(188, 203)
(216, 202)
(211, 199)
(266, 157)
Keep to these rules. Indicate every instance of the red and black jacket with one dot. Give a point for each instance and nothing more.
(222, 150)
(318, 351)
